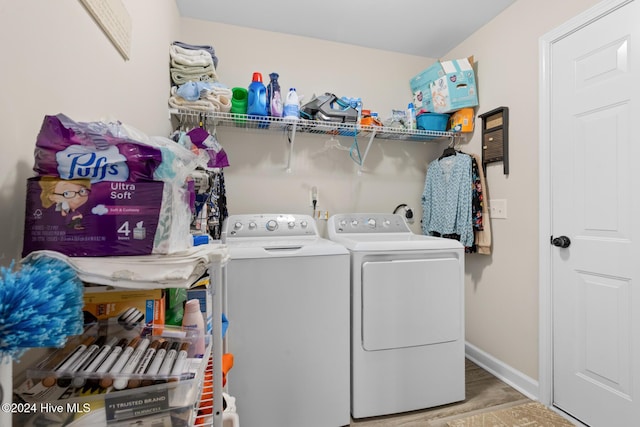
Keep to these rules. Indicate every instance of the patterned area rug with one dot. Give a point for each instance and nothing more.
(527, 415)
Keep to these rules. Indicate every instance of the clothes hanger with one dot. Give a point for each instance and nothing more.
(450, 150)
(334, 143)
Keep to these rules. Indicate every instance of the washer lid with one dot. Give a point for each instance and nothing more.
(395, 242)
(382, 232)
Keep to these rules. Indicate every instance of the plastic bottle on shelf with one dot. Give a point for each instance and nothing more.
(292, 105)
(274, 97)
(193, 319)
(411, 116)
(257, 97)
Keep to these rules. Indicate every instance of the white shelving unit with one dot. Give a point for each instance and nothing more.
(166, 271)
(292, 127)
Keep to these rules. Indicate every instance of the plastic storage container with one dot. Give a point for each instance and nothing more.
(432, 121)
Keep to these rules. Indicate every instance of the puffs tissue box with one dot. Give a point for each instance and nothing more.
(79, 218)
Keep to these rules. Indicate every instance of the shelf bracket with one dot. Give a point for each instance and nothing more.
(366, 151)
(292, 139)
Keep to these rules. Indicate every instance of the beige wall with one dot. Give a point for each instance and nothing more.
(502, 290)
(57, 60)
(257, 180)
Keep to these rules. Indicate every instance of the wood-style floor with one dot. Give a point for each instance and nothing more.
(483, 391)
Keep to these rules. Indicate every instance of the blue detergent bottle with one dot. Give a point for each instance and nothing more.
(257, 100)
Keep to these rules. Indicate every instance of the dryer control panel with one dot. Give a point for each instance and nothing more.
(367, 223)
(269, 225)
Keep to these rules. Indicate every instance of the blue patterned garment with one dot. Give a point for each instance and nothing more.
(446, 199)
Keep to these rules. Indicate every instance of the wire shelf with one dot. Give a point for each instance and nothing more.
(268, 123)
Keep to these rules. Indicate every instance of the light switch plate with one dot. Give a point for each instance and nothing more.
(498, 208)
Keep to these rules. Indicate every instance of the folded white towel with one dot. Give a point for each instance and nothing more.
(178, 270)
(200, 105)
(183, 75)
(190, 57)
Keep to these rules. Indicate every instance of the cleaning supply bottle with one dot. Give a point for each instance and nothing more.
(274, 98)
(193, 319)
(292, 105)
(257, 97)
(411, 116)
(239, 103)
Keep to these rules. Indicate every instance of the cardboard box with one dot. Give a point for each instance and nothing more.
(446, 86)
(80, 218)
(124, 307)
(462, 120)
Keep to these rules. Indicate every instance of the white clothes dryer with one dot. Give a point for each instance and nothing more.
(407, 315)
(287, 301)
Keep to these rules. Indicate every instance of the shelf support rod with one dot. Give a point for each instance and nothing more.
(366, 151)
(292, 139)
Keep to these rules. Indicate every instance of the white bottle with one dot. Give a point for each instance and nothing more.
(292, 105)
(411, 116)
(193, 319)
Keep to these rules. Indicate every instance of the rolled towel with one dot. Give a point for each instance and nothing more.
(219, 96)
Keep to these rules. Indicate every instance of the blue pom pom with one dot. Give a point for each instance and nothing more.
(40, 305)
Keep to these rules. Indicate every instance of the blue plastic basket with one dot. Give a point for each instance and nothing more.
(432, 121)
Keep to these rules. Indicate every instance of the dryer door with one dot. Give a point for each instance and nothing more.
(411, 302)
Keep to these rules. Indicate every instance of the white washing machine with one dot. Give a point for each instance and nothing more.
(287, 301)
(407, 315)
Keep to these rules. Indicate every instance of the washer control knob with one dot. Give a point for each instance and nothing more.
(386, 223)
(303, 224)
(272, 224)
(291, 224)
(237, 225)
(354, 222)
(343, 223)
(252, 225)
(371, 223)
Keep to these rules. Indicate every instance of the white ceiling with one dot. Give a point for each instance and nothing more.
(429, 28)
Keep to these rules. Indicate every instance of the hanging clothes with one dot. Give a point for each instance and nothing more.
(447, 197)
(482, 236)
(210, 199)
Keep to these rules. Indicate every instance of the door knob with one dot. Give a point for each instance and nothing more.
(561, 241)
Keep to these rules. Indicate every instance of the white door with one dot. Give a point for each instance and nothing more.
(595, 177)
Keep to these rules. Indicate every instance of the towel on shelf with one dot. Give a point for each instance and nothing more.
(189, 57)
(179, 270)
(181, 74)
(216, 100)
(207, 48)
(220, 97)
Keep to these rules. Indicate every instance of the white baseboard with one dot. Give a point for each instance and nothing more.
(516, 379)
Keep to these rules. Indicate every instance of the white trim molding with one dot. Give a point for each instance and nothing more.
(545, 45)
(505, 373)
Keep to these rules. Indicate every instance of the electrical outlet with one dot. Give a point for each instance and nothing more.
(313, 195)
(498, 208)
